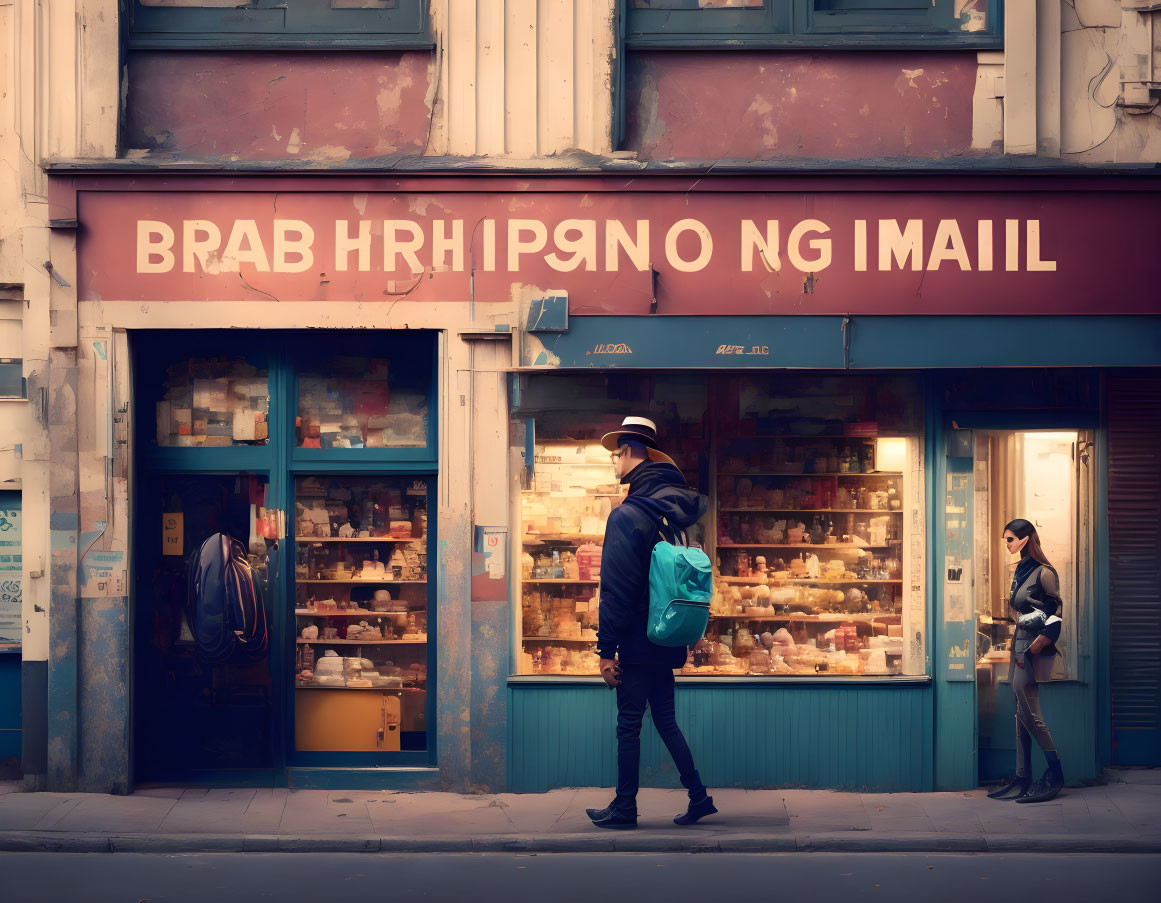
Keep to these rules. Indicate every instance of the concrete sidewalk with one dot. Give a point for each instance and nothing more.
(1121, 816)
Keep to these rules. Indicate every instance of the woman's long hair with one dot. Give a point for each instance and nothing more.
(1022, 528)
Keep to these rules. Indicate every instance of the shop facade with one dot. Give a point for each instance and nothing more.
(390, 390)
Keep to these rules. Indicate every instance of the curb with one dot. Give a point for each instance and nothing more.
(627, 842)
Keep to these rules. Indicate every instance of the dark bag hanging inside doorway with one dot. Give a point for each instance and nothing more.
(225, 611)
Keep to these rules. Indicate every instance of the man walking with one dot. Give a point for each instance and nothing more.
(659, 502)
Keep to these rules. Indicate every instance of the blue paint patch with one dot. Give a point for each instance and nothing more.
(64, 520)
(104, 696)
(62, 540)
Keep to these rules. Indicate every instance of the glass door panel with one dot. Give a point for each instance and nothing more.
(213, 402)
(360, 613)
(363, 402)
(1040, 476)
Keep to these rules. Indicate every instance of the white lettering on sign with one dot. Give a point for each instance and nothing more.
(767, 246)
(583, 248)
(900, 244)
(410, 247)
(821, 260)
(345, 243)
(518, 245)
(148, 248)
(201, 239)
(636, 249)
(948, 245)
(705, 241)
(293, 254)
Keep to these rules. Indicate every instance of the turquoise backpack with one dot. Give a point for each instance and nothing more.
(680, 589)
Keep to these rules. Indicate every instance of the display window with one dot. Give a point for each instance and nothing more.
(360, 611)
(815, 522)
(315, 456)
(213, 402)
(354, 401)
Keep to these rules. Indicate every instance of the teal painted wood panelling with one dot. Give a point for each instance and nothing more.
(10, 721)
(1070, 715)
(852, 737)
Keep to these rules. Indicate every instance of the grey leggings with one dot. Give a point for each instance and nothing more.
(1029, 720)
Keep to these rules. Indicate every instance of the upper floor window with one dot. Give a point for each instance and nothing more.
(258, 24)
(813, 23)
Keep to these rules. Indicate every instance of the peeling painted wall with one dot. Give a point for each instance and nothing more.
(322, 107)
(767, 106)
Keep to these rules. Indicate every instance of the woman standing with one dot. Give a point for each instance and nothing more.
(1035, 599)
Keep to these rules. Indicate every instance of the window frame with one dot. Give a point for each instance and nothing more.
(796, 23)
(318, 27)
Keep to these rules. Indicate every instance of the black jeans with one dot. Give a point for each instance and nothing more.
(652, 686)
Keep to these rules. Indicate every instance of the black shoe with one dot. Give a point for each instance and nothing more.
(1014, 786)
(696, 811)
(1046, 788)
(612, 818)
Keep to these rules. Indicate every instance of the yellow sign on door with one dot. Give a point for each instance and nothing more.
(173, 534)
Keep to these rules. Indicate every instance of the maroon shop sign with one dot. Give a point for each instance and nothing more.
(697, 252)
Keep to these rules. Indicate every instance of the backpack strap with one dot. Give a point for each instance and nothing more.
(679, 537)
(676, 535)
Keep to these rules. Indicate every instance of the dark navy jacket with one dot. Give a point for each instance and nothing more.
(656, 490)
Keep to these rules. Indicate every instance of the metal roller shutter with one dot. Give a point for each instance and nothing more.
(1134, 425)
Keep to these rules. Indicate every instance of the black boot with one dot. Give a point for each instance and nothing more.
(696, 811)
(1047, 787)
(1014, 786)
(613, 819)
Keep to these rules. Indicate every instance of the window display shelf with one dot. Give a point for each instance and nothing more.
(799, 474)
(558, 639)
(836, 618)
(808, 511)
(321, 642)
(834, 546)
(557, 580)
(362, 582)
(607, 465)
(533, 538)
(347, 613)
(308, 685)
(356, 539)
(587, 494)
(804, 581)
(816, 438)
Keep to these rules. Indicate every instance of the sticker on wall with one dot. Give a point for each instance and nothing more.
(10, 573)
(958, 619)
(492, 544)
(173, 534)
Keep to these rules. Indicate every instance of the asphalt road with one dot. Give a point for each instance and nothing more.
(565, 878)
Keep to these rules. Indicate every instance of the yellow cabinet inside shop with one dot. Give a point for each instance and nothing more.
(328, 721)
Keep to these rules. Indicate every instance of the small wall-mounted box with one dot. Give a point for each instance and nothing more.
(549, 314)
